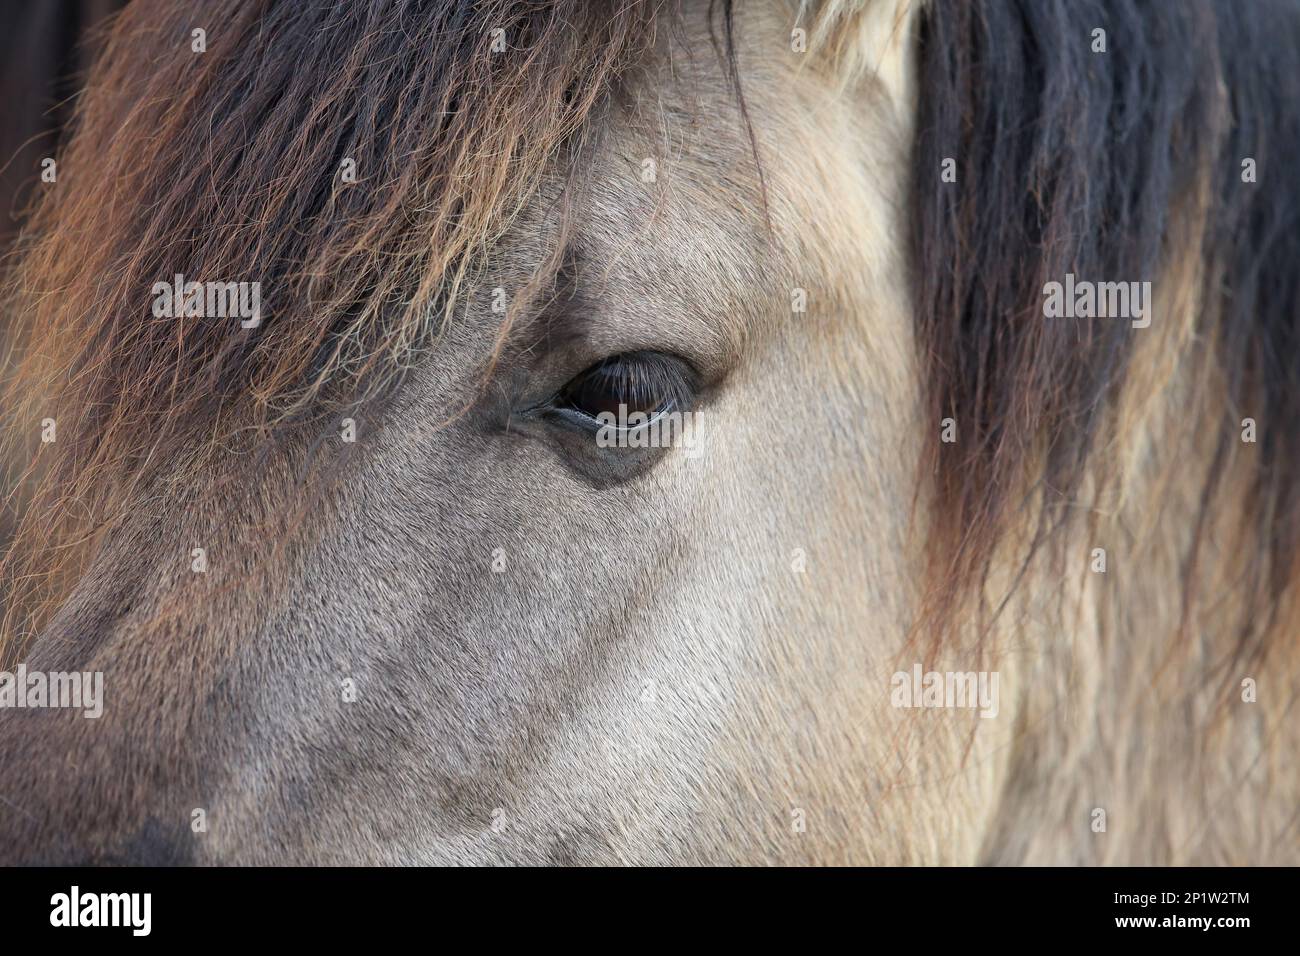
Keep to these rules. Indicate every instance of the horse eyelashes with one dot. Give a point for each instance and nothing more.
(648, 383)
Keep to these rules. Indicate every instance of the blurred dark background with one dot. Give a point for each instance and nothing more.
(45, 48)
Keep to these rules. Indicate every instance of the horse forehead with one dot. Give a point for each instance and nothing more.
(699, 196)
(680, 251)
(675, 222)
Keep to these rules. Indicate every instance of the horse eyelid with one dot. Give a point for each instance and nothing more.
(572, 414)
(678, 388)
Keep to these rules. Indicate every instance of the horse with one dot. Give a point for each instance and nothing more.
(980, 546)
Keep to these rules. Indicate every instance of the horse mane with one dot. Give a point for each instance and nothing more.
(1112, 166)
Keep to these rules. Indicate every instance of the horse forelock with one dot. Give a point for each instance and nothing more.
(355, 161)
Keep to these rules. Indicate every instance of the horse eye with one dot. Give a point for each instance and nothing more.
(644, 382)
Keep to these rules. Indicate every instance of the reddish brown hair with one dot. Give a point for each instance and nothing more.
(224, 165)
